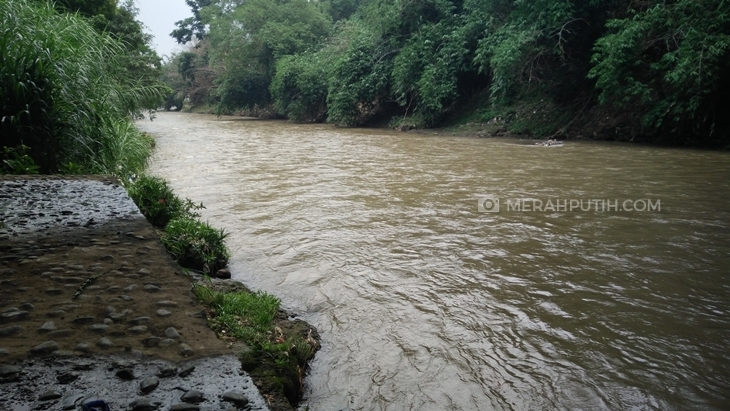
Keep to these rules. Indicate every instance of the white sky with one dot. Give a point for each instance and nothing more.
(160, 16)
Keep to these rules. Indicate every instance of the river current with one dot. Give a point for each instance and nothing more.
(601, 283)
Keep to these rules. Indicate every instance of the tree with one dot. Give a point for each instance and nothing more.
(140, 61)
(299, 87)
(356, 61)
(192, 27)
(246, 39)
(670, 61)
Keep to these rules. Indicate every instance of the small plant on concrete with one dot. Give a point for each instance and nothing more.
(85, 284)
(158, 203)
(196, 244)
(246, 315)
(275, 355)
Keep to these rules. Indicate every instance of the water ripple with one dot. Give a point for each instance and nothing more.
(426, 304)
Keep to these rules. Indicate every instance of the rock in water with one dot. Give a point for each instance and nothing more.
(223, 273)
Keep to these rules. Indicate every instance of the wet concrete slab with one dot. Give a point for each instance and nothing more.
(62, 383)
(84, 278)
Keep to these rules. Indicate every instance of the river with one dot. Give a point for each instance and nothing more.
(424, 302)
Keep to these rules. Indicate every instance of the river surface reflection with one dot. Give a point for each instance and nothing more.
(425, 303)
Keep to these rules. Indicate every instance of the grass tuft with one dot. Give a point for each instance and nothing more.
(196, 244)
(247, 316)
(251, 318)
(158, 203)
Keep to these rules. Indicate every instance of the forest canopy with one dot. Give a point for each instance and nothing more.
(657, 69)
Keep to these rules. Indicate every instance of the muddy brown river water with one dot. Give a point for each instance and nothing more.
(424, 302)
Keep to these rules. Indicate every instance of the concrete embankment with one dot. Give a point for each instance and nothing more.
(92, 307)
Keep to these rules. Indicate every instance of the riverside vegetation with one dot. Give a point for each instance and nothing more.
(274, 350)
(193, 243)
(73, 77)
(652, 70)
(70, 86)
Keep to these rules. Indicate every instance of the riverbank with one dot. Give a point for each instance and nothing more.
(534, 120)
(89, 293)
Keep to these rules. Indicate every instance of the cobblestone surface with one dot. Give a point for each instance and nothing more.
(83, 276)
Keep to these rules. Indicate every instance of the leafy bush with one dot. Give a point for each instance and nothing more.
(196, 244)
(360, 78)
(15, 160)
(299, 87)
(426, 71)
(158, 203)
(193, 243)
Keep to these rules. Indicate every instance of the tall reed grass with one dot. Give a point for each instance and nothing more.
(65, 93)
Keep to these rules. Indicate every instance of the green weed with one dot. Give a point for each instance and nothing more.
(15, 160)
(158, 203)
(196, 244)
(250, 317)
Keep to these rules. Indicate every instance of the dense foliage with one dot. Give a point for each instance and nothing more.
(659, 69)
(69, 90)
(671, 61)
